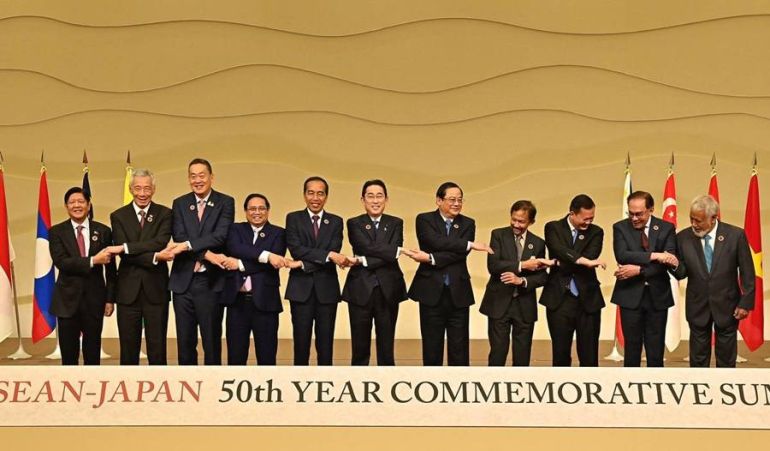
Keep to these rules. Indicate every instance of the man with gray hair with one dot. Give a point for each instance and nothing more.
(716, 259)
(142, 229)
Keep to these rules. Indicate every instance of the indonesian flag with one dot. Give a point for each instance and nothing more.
(43, 322)
(626, 192)
(673, 329)
(752, 327)
(6, 256)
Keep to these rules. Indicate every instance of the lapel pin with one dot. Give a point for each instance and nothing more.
(149, 218)
(655, 227)
(261, 234)
(720, 238)
(210, 204)
(385, 229)
(456, 226)
(326, 221)
(192, 207)
(581, 237)
(368, 227)
(530, 247)
(94, 238)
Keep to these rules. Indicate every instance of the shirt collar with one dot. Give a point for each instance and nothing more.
(75, 225)
(320, 214)
(379, 219)
(445, 219)
(137, 209)
(204, 199)
(571, 227)
(713, 233)
(257, 229)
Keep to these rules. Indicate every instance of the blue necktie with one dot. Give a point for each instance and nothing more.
(708, 251)
(448, 223)
(572, 285)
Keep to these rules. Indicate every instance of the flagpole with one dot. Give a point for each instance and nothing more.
(20, 353)
(615, 354)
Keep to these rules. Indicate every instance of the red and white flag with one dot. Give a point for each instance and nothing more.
(673, 328)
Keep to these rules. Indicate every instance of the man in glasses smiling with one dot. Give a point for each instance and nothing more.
(442, 284)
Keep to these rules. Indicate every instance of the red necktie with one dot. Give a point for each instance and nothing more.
(81, 241)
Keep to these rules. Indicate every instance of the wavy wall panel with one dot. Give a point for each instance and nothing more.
(525, 100)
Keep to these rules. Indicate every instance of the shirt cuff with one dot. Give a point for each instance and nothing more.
(264, 257)
(398, 251)
(155, 258)
(90, 262)
(189, 246)
(363, 261)
(327, 257)
(470, 244)
(519, 269)
(432, 260)
(524, 282)
(240, 266)
(125, 248)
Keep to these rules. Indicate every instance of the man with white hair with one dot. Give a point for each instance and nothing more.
(716, 259)
(141, 231)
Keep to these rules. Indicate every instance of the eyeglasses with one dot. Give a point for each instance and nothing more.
(641, 214)
(454, 200)
(371, 197)
(259, 209)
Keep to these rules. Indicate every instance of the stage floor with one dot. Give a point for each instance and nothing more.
(408, 353)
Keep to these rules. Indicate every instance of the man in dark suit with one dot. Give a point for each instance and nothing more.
(645, 248)
(141, 231)
(314, 239)
(442, 284)
(572, 295)
(716, 259)
(375, 286)
(256, 251)
(201, 221)
(81, 298)
(516, 269)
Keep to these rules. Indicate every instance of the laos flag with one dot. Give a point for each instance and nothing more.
(43, 322)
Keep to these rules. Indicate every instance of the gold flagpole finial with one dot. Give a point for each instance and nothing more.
(628, 160)
(85, 157)
(2, 161)
(753, 165)
(128, 157)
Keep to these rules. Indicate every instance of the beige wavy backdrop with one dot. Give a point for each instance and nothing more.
(529, 99)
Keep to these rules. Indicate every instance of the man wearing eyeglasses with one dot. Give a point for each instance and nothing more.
(375, 286)
(645, 248)
(442, 284)
(141, 231)
(255, 250)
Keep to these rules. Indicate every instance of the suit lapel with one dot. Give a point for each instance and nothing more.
(695, 242)
(191, 216)
(529, 248)
(719, 244)
(366, 224)
(70, 240)
(96, 239)
(212, 208)
(652, 238)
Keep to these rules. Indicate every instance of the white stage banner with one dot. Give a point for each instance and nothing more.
(380, 396)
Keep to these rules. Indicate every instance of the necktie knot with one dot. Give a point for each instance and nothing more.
(707, 238)
(376, 224)
(448, 223)
(315, 225)
(80, 228)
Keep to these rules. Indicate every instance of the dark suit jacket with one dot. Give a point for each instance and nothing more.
(717, 293)
(381, 258)
(558, 239)
(264, 278)
(316, 273)
(627, 243)
(209, 234)
(498, 296)
(77, 281)
(136, 270)
(450, 254)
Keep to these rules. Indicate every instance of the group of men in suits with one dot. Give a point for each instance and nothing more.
(219, 264)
